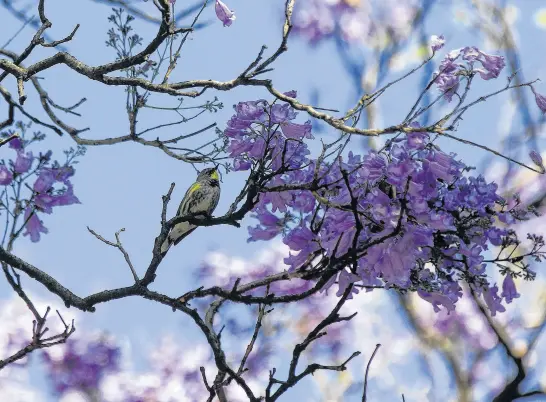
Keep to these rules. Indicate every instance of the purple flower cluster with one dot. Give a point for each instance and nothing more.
(81, 365)
(51, 188)
(259, 128)
(463, 62)
(422, 224)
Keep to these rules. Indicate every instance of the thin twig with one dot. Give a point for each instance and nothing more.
(120, 247)
(6, 140)
(364, 396)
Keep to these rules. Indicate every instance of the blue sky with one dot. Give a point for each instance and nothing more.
(121, 186)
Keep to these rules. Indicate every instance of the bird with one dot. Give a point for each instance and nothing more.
(201, 198)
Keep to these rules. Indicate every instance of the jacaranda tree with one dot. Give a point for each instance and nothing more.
(348, 220)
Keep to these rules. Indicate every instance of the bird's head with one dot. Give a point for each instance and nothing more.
(210, 175)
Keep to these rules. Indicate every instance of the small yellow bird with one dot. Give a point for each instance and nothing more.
(201, 197)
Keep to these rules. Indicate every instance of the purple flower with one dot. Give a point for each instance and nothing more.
(62, 174)
(540, 100)
(258, 148)
(47, 198)
(507, 218)
(493, 300)
(438, 299)
(282, 113)
(23, 162)
(292, 94)
(44, 181)
(45, 201)
(437, 42)
(48, 176)
(303, 201)
(492, 64)
(251, 110)
(509, 291)
(470, 53)
(297, 131)
(299, 238)
(241, 164)
(448, 84)
(302, 239)
(399, 171)
(373, 167)
(495, 235)
(439, 164)
(5, 176)
(536, 158)
(288, 153)
(346, 279)
(278, 200)
(448, 64)
(16, 143)
(270, 226)
(238, 147)
(34, 226)
(223, 13)
(416, 140)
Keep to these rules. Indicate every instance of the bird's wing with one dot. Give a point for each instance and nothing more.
(183, 208)
(182, 229)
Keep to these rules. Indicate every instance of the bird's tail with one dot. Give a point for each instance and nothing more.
(176, 235)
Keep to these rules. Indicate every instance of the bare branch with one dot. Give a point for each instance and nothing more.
(39, 329)
(6, 140)
(364, 396)
(14, 105)
(119, 246)
(315, 334)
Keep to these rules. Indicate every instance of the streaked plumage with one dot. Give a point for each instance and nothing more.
(201, 197)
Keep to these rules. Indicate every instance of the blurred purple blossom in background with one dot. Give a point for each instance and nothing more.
(365, 22)
(81, 365)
